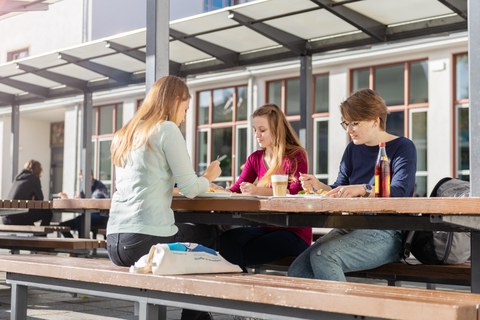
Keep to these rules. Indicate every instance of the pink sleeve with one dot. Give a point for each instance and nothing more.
(302, 166)
(249, 173)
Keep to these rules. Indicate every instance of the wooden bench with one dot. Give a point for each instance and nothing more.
(49, 244)
(257, 295)
(459, 274)
(37, 230)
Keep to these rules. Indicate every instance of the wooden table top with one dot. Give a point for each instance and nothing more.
(447, 206)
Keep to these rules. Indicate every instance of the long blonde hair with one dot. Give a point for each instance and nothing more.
(160, 104)
(285, 141)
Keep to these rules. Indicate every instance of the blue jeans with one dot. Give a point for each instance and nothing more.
(255, 245)
(341, 251)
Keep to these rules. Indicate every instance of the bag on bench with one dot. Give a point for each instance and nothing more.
(441, 247)
(182, 258)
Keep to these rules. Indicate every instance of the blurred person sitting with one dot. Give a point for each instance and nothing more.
(98, 221)
(27, 186)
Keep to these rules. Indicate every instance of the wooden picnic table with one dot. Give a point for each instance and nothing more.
(453, 214)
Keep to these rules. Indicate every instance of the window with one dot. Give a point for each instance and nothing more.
(321, 121)
(461, 114)
(404, 87)
(210, 5)
(222, 130)
(105, 121)
(17, 54)
(286, 94)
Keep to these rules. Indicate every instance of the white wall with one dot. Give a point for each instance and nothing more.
(42, 31)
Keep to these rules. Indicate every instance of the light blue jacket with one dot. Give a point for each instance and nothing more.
(143, 197)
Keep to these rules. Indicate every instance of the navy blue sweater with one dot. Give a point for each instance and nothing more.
(358, 166)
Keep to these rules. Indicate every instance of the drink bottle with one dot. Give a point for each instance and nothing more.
(382, 173)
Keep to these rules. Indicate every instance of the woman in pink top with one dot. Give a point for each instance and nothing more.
(281, 153)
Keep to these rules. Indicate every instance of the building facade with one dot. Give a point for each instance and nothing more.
(424, 83)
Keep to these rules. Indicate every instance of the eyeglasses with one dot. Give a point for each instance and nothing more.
(352, 125)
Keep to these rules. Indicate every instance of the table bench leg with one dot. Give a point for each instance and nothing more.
(475, 260)
(147, 311)
(19, 302)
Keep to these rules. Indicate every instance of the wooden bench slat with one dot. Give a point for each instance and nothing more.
(32, 243)
(327, 296)
(32, 229)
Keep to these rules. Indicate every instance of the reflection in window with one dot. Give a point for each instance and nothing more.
(395, 123)
(360, 79)
(222, 146)
(275, 93)
(218, 134)
(204, 100)
(461, 77)
(321, 93)
(223, 105)
(390, 84)
(419, 137)
(419, 82)
(463, 141)
(242, 104)
(321, 145)
(241, 150)
(202, 152)
(420, 186)
(106, 120)
(292, 106)
(105, 162)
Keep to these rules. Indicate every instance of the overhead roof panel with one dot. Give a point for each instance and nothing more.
(267, 9)
(313, 24)
(393, 12)
(204, 23)
(182, 53)
(34, 79)
(9, 69)
(9, 90)
(121, 62)
(90, 50)
(135, 39)
(239, 39)
(44, 61)
(73, 70)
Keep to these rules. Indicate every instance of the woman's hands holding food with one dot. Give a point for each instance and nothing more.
(213, 171)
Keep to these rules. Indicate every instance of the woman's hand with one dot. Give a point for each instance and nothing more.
(311, 184)
(356, 190)
(213, 171)
(248, 188)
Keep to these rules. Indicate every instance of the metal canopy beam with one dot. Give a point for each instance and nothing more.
(288, 40)
(369, 26)
(60, 78)
(229, 57)
(6, 97)
(133, 53)
(115, 74)
(27, 87)
(457, 6)
(15, 138)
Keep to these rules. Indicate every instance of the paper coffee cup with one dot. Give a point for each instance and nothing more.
(279, 184)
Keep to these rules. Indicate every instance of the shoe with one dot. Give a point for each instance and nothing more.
(188, 314)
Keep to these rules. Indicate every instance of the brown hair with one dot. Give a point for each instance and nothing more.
(33, 166)
(365, 104)
(160, 104)
(285, 140)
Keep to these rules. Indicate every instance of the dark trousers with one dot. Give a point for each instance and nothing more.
(96, 219)
(255, 245)
(124, 249)
(28, 218)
